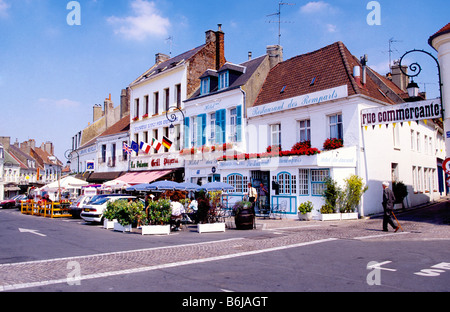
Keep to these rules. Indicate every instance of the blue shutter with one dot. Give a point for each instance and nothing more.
(186, 133)
(239, 123)
(201, 127)
(221, 126)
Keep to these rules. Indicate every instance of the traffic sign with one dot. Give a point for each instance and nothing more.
(446, 166)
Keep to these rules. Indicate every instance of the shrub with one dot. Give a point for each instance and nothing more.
(354, 190)
(306, 207)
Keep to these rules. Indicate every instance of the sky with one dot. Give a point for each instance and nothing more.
(58, 58)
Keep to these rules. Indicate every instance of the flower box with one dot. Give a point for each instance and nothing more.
(156, 230)
(211, 227)
(331, 217)
(120, 228)
(350, 216)
(109, 224)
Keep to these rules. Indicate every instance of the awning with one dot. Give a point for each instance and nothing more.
(134, 178)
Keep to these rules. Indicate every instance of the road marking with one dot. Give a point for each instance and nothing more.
(162, 266)
(379, 266)
(381, 235)
(32, 232)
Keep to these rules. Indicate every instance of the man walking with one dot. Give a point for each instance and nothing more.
(388, 207)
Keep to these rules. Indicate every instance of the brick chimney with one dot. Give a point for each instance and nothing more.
(161, 58)
(218, 38)
(275, 53)
(400, 79)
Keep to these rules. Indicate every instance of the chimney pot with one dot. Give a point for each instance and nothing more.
(250, 54)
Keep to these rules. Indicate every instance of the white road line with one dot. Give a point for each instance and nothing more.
(163, 266)
(379, 236)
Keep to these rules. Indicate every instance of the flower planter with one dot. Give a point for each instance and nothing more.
(211, 227)
(120, 228)
(331, 217)
(109, 224)
(350, 216)
(305, 217)
(244, 219)
(156, 230)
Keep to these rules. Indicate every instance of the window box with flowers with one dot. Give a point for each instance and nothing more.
(136, 118)
(145, 116)
(332, 144)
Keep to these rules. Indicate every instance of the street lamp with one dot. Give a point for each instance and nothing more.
(173, 117)
(69, 156)
(416, 69)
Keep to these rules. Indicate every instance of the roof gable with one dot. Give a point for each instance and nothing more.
(326, 68)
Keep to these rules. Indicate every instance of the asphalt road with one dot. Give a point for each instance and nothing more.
(281, 256)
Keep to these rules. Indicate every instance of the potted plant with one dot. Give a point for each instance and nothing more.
(109, 216)
(156, 221)
(208, 210)
(244, 216)
(400, 192)
(126, 214)
(332, 194)
(354, 190)
(305, 211)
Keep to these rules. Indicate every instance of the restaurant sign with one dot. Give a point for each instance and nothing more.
(299, 101)
(149, 163)
(414, 111)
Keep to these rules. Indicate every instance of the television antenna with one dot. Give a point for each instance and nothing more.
(170, 42)
(280, 4)
(391, 43)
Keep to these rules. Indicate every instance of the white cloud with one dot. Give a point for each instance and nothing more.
(4, 6)
(146, 21)
(315, 7)
(59, 104)
(331, 28)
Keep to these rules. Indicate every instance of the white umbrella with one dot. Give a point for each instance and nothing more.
(68, 183)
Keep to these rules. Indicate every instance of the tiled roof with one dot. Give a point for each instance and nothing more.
(170, 63)
(329, 67)
(247, 69)
(443, 30)
(121, 126)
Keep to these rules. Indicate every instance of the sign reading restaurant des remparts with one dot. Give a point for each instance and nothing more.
(299, 101)
(414, 111)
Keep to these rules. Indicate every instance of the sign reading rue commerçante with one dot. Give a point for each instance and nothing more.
(415, 111)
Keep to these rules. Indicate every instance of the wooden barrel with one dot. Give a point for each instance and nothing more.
(244, 220)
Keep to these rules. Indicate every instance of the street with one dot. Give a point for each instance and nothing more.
(45, 255)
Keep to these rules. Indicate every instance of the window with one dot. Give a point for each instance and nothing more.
(318, 178)
(146, 104)
(413, 140)
(103, 159)
(212, 124)
(303, 180)
(394, 172)
(224, 80)
(124, 153)
(336, 127)
(166, 134)
(156, 103)
(418, 145)
(204, 87)
(275, 134)
(305, 130)
(233, 123)
(167, 99)
(178, 95)
(194, 126)
(425, 145)
(396, 134)
(415, 179)
(177, 138)
(156, 137)
(287, 183)
(136, 108)
(239, 182)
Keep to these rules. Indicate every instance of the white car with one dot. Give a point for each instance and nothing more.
(93, 212)
(78, 205)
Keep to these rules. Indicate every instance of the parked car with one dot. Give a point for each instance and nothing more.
(93, 211)
(13, 202)
(78, 205)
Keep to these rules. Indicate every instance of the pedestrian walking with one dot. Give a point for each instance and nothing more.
(388, 207)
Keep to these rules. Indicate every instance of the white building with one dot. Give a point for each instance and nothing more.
(2, 161)
(320, 96)
(156, 110)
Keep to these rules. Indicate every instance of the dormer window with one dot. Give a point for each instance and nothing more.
(205, 86)
(224, 80)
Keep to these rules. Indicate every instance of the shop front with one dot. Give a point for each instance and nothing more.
(289, 181)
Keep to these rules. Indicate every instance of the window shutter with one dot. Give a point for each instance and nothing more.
(221, 126)
(186, 133)
(239, 123)
(201, 130)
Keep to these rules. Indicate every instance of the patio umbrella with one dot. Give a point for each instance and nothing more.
(164, 186)
(217, 186)
(188, 186)
(139, 188)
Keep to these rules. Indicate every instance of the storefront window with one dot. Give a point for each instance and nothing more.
(303, 180)
(318, 177)
(239, 182)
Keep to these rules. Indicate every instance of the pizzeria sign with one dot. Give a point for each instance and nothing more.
(414, 111)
